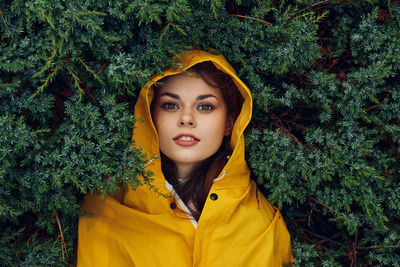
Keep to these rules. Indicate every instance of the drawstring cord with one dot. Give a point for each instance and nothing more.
(222, 176)
(224, 172)
(151, 160)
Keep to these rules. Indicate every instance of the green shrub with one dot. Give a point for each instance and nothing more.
(323, 143)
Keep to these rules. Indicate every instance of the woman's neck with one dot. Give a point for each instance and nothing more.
(184, 169)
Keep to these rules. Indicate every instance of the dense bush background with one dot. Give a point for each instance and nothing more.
(323, 143)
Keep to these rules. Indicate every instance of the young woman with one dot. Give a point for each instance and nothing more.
(194, 118)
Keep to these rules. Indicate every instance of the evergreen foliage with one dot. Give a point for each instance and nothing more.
(323, 143)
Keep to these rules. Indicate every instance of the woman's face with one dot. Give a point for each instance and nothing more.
(191, 120)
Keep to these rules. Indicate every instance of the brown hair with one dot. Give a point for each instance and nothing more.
(195, 188)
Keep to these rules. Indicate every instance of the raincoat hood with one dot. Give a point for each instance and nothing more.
(145, 134)
(141, 227)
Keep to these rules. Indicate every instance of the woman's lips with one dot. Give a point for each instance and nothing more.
(186, 140)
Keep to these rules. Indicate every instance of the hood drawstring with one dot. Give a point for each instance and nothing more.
(227, 157)
(222, 176)
(151, 160)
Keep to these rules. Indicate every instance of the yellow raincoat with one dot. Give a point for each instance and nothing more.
(237, 227)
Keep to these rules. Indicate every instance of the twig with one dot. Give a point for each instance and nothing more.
(330, 239)
(76, 81)
(52, 75)
(300, 16)
(378, 246)
(27, 241)
(319, 18)
(47, 19)
(296, 124)
(290, 135)
(324, 238)
(5, 24)
(170, 24)
(10, 84)
(377, 105)
(90, 70)
(100, 70)
(354, 259)
(310, 6)
(245, 17)
(80, 187)
(305, 231)
(63, 245)
(328, 207)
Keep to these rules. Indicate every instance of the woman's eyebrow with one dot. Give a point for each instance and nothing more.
(201, 97)
(170, 95)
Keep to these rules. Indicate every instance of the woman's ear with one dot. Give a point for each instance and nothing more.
(229, 125)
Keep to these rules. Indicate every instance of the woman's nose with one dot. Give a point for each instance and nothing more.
(187, 119)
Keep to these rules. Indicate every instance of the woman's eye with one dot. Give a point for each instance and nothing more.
(170, 106)
(205, 107)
